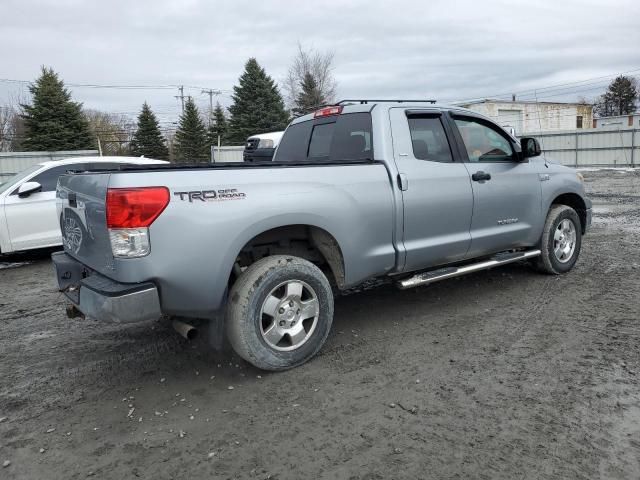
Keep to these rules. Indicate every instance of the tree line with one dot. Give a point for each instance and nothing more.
(53, 121)
(619, 99)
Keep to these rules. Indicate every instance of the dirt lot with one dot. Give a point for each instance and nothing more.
(505, 374)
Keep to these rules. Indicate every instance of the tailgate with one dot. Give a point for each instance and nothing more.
(81, 208)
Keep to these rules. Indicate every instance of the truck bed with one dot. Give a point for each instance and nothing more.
(215, 210)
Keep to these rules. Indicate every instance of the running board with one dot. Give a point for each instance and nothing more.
(425, 278)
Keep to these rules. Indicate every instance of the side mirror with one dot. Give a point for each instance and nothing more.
(530, 147)
(27, 188)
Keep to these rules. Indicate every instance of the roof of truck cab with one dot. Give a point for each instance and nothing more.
(107, 159)
(367, 107)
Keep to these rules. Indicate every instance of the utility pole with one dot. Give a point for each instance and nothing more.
(181, 96)
(211, 92)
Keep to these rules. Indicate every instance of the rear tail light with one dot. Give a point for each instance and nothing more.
(135, 207)
(130, 211)
(328, 111)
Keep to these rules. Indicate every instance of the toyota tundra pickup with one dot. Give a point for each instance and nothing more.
(364, 191)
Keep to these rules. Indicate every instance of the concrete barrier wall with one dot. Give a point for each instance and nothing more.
(14, 162)
(227, 154)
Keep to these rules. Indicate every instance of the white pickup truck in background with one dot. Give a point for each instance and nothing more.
(262, 147)
(28, 218)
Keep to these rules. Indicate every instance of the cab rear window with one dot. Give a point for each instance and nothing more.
(344, 137)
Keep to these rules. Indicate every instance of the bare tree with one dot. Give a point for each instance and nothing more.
(113, 131)
(18, 132)
(170, 136)
(12, 129)
(6, 113)
(319, 65)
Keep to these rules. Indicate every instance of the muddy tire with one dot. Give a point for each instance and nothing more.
(561, 241)
(279, 312)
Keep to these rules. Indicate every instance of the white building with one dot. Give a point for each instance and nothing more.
(619, 121)
(527, 117)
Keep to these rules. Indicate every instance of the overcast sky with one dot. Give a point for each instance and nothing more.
(449, 50)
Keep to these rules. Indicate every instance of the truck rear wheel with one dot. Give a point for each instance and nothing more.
(561, 241)
(279, 312)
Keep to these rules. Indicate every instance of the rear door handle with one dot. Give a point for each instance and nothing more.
(480, 176)
(403, 182)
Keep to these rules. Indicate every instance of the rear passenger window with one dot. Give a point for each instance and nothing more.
(429, 140)
(294, 143)
(341, 138)
(352, 138)
(321, 136)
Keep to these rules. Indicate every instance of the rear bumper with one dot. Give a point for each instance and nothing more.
(103, 299)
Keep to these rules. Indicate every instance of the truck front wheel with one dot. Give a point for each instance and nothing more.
(279, 312)
(561, 241)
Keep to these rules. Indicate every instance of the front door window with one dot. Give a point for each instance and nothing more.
(483, 143)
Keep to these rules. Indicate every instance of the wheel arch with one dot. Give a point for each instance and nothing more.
(304, 240)
(576, 202)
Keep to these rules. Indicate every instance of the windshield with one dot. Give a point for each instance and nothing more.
(11, 181)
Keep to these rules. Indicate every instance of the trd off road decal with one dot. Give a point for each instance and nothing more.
(211, 195)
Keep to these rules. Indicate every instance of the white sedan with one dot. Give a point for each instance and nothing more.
(28, 217)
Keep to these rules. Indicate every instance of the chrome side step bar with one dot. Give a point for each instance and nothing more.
(425, 278)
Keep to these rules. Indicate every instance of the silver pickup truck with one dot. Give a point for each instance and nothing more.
(363, 191)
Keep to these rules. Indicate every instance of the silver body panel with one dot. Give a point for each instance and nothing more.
(440, 217)
(194, 244)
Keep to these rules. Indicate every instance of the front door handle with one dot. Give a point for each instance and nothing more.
(480, 176)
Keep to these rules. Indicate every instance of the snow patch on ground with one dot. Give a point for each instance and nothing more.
(601, 169)
(4, 265)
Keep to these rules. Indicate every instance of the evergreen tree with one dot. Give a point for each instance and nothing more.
(53, 121)
(257, 104)
(619, 99)
(217, 127)
(309, 98)
(148, 139)
(191, 144)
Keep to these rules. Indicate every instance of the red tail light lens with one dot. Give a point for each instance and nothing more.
(135, 207)
(328, 111)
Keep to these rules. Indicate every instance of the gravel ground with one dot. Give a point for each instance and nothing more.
(505, 374)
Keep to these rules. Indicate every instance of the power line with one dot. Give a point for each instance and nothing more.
(532, 91)
(114, 86)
